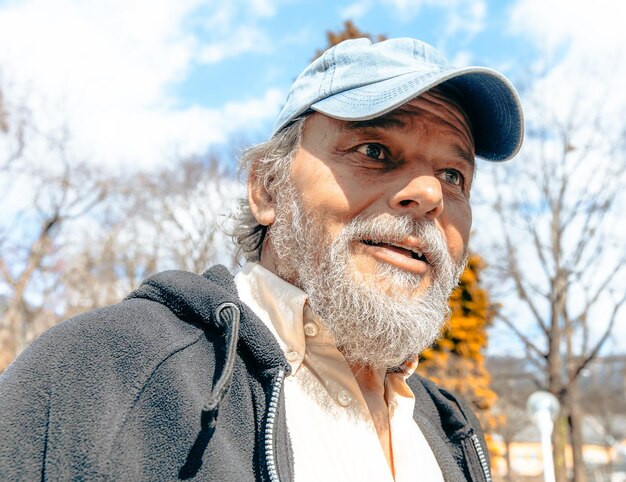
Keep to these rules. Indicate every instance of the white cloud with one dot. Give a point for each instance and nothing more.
(461, 16)
(582, 63)
(584, 47)
(263, 8)
(462, 58)
(200, 126)
(166, 134)
(466, 17)
(407, 7)
(243, 39)
(221, 18)
(106, 70)
(356, 10)
(588, 26)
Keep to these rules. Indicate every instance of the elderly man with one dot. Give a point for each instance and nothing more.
(301, 367)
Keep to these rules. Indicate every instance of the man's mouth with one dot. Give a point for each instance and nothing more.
(408, 251)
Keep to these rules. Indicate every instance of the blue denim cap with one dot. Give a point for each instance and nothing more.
(357, 80)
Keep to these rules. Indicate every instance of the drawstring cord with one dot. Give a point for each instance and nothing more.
(227, 318)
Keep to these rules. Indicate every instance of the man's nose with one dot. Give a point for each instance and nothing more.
(420, 197)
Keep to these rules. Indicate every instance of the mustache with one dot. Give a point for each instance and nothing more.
(395, 229)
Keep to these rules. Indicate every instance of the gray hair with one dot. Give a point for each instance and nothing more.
(268, 163)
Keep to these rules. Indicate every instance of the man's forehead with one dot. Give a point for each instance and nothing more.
(429, 106)
(399, 118)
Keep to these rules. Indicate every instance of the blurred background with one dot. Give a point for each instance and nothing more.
(120, 127)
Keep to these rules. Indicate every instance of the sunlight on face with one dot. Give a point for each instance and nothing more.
(374, 226)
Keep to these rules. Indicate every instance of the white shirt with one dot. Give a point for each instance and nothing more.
(331, 429)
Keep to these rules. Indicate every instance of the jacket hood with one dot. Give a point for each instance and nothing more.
(197, 299)
(210, 302)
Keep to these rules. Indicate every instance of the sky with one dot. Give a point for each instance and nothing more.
(138, 84)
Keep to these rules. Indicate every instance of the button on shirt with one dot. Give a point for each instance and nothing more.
(332, 432)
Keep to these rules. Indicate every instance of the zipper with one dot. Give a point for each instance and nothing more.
(481, 457)
(270, 456)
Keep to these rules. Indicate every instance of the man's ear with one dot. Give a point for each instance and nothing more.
(262, 203)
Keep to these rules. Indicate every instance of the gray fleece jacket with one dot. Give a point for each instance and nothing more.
(179, 381)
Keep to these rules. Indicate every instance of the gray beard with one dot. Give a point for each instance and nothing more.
(373, 326)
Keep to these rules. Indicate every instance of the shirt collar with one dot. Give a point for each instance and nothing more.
(279, 305)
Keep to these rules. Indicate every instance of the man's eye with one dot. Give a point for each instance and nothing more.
(375, 151)
(453, 176)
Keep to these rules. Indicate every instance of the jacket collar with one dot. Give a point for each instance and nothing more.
(196, 299)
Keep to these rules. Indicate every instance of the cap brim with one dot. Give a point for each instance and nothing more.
(490, 100)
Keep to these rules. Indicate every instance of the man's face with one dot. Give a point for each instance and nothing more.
(381, 208)
(416, 161)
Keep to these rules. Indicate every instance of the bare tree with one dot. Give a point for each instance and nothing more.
(13, 124)
(28, 238)
(168, 219)
(73, 239)
(559, 255)
(105, 264)
(186, 207)
(44, 189)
